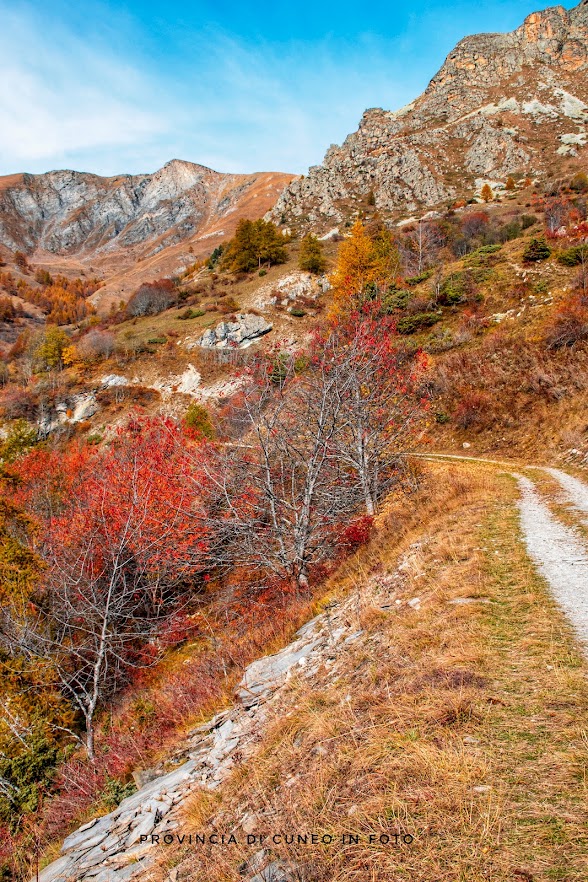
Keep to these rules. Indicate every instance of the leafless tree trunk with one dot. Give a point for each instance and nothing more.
(421, 247)
(281, 489)
(317, 446)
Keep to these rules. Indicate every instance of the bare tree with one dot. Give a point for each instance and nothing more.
(557, 213)
(377, 390)
(421, 246)
(152, 297)
(318, 447)
(281, 491)
(96, 344)
(376, 386)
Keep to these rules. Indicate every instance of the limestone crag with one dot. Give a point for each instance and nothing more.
(291, 288)
(502, 104)
(75, 409)
(111, 848)
(241, 332)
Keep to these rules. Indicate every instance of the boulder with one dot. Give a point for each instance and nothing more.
(77, 408)
(246, 328)
(114, 380)
(84, 406)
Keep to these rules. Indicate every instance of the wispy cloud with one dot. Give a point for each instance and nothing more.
(255, 106)
(107, 91)
(63, 100)
(105, 100)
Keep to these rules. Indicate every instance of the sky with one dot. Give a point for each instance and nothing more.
(125, 87)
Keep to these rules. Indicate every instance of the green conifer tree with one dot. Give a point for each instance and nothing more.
(311, 259)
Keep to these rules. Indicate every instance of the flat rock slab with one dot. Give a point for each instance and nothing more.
(267, 673)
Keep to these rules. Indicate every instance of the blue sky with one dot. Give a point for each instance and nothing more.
(238, 86)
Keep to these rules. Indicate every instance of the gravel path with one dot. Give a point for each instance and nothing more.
(576, 490)
(556, 550)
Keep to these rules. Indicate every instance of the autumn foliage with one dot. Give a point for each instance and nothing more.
(367, 264)
(64, 301)
(569, 324)
(255, 244)
(486, 193)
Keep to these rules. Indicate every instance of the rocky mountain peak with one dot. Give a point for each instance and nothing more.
(183, 175)
(500, 105)
(138, 223)
(553, 37)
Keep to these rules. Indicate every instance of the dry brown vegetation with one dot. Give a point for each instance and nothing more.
(462, 725)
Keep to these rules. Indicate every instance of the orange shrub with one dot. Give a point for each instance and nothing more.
(569, 324)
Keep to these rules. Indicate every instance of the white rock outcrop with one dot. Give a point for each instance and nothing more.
(290, 288)
(241, 333)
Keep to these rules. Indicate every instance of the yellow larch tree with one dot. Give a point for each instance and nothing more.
(365, 263)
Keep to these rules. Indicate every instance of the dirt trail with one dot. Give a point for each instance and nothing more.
(575, 490)
(558, 552)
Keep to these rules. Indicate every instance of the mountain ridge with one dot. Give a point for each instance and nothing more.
(501, 104)
(129, 228)
(123, 202)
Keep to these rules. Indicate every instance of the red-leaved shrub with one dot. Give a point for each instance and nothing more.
(357, 533)
(473, 410)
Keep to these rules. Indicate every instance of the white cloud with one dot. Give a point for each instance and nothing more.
(116, 103)
(61, 98)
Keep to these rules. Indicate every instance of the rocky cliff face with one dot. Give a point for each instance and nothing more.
(129, 228)
(67, 211)
(502, 104)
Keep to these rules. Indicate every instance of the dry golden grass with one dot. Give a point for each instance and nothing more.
(461, 725)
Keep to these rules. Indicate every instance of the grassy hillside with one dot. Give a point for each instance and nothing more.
(454, 725)
(506, 336)
(434, 739)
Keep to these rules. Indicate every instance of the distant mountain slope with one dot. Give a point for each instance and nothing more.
(67, 211)
(502, 104)
(142, 225)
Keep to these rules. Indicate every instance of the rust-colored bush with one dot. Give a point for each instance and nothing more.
(473, 410)
(569, 325)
